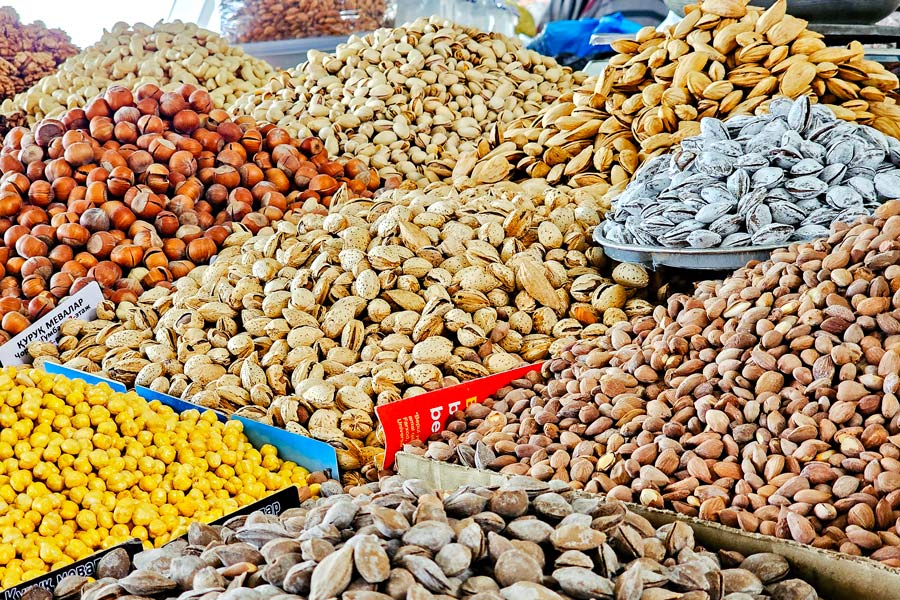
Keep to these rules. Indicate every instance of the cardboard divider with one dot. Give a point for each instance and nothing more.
(309, 453)
(835, 576)
(273, 504)
(177, 404)
(312, 455)
(58, 369)
(419, 417)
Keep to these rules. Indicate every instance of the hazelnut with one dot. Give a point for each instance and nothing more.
(61, 254)
(98, 107)
(47, 130)
(60, 284)
(28, 246)
(201, 249)
(171, 103)
(148, 90)
(166, 223)
(127, 255)
(105, 273)
(94, 220)
(147, 205)
(32, 285)
(174, 248)
(40, 305)
(186, 121)
(14, 323)
(102, 129)
(37, 265)
(72, 234)
(117, 96)
(155, 257)
(100, 244)
(120, 216)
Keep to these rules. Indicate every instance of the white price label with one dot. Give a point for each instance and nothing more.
(82, 305)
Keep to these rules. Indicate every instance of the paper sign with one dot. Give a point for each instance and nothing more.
(86, 567)
(420, 417)
(177, 404)
(310, 454)
(70, 373)
(273, 504)
(82, 305)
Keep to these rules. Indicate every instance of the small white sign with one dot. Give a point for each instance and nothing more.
(82, 305)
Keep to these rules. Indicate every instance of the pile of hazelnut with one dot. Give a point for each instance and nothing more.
(136, 189)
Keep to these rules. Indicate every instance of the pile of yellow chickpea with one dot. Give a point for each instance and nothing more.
(83, 468)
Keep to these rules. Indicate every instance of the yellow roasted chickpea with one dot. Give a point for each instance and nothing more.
(83, 468)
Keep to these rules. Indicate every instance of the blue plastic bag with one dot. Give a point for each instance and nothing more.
(574, 37)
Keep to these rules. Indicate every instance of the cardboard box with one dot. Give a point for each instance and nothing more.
(835, 576)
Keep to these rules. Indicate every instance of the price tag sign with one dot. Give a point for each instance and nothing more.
(82, 305)
(420, 417)
(86, 567)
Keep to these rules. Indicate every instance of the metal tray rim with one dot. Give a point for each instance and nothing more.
(706, 259)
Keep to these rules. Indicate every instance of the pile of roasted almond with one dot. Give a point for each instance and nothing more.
(766, 401)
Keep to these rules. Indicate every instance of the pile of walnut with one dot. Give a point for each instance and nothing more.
(312, 324)
(167, 55)
(28, 52)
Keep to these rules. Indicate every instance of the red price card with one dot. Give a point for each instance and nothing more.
(420, 417)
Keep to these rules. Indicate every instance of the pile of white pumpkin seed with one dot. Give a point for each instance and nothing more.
(758, 180)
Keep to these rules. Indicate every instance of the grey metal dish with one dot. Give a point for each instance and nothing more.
(710, 259)
(821, 11)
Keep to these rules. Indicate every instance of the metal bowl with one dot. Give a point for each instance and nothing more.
(821, 11)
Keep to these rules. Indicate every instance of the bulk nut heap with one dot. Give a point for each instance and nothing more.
(262, 21)
(167, 55)
(758, 180)
(403, 541)
(84, 468)
(134, 190)
(28, 52)
(311, 324)
(723, 59)
(410, 100)
(767, 401)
